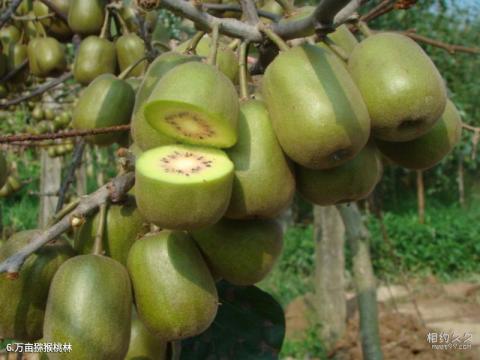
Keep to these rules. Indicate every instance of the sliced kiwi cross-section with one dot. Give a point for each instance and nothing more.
(196, 104)
(183, 187)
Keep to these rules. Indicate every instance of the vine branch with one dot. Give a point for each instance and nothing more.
(112, 191)
(9, 12)
(451, 48)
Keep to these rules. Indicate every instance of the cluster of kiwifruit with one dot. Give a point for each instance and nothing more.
(9, 182)
(213, 173)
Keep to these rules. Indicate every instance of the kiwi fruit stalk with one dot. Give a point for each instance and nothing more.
(264, 184)
(24, 299)
(9, 34)
(174, 291)
(351, 181)
(130, 48)
(95, 56)
(429, 149)
(107, 101)
(324, 122)
(195, 103)
(123, 224)
(183, 187)
(89, 306)
(86, 16)
(404, 92)
(143, 134)
(241, 252)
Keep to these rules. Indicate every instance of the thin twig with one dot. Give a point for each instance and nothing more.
(470, 127)
(98, 242)
(38, 91)
(9, 12)
(113, 191)
(56, 10)
(379, 10)
(69, 176)
(242, 59)
(451, 48)
(14, 72)
(32, 18)
(62, 135)
(238, 8)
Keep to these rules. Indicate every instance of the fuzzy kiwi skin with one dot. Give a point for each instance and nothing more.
(86, 17)
(264, 184)
(226, 61)
(241, 252)
(23, 300)
(182, 206)
(324, 122)
(89, 305)
(143, 134)
(404, 92)
(429, 149)
(123, 226)
(107, 101)
(3, 170)
(143, 344)
(95, 56)
(174, 291)
(202, 88)
(352, 181)
(46, 56)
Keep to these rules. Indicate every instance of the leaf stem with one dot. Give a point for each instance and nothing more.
(194, 41)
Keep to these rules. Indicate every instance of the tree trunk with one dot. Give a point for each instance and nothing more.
(364, 279)
(421, 197)
(329, 300)
(50, 180)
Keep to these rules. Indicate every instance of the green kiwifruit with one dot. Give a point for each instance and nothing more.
(89, 306)
(143, 134)
(135, 83)
(49, 113)
(241, 252)
(24, 299)
(143, 344)
(404, 92)
(107, 101)
(131, 48)
(324, 122)
(351, 181)
(226, 61)
(46, 57)
(183, 187)
(25, 7)
(54, 25)
(3, 170)
(429, 149)
(37, 112)
(195, 103)
(129, 15)
(273, 7)
(16, 55)
(263, 185)
(86, 16)
(96, 56)
(14, 182)
(344, 38)
(9, 34)
(5, 190)
(123, 224)
(174, 291)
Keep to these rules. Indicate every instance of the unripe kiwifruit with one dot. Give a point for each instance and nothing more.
(183, 187)
(131, 48)
(241, 252)
(54, 25)
(429, 149)
(86, 16)
(46, 56)
(9, 34)
(195, 103)
(404, 92)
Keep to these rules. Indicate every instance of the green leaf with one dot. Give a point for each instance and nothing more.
(250, 324)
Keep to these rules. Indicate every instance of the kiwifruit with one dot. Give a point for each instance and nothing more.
(14, 183)
(129, 15)
(49, 113)
(95, 56)
(263, 185)
(130, 48)
(195, 103)
(143, 344)
(351, 181)
(226, 60)
(24, 299)
(46, 56)
(16, 55)
(89, 306)
(241, 252)
(86, 16)
(342, 38)
(145, 136)
(54, 25)
(5, 190)
(183, 187)
(135, 83)
(37, 112)
(107, 101)
(177, 299)
(324, 122)
(3, 170)
(25, 7)
(404, 92)
(9, 34)
(273, 7)
(429, 149)
(123, 224)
